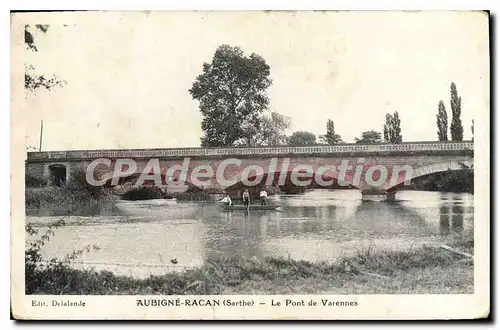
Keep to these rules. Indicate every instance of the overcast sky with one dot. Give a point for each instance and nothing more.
(128, 75)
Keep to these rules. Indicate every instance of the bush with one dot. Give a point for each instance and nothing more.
(57, 197)
(33, 177)
(74, 195)
(200, 196)
(31, 180)
(143, 193)
(79, 183)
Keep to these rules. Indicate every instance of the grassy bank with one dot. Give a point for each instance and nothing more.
(67, 201)
(424, 270)
(71, 198)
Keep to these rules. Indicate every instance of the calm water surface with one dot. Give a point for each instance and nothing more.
(319, 225)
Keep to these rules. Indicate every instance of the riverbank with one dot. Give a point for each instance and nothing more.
(67, 201)
(422, 270)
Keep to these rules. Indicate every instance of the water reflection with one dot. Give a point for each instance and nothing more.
(320, 225)
(451, 215)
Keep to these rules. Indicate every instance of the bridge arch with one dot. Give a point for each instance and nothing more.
(262, 180)
(58, 174)
(109, 176)
(433, 169)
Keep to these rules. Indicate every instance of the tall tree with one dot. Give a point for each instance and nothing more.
(456, 128)
(232, 91)
(392, 128)
(442, 122)
(369, 137)
(330, 137)
(302, 138)
(272, 130)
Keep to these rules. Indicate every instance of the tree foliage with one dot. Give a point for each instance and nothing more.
(302, 138)
(472, 129)
(442, 122)
(392, 128)
(330, 137)
(456, 128)
(232, 92)
(29, 40)
(32, 80)
(272, 130)
(369, 137)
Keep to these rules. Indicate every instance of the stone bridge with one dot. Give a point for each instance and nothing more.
(373, 169)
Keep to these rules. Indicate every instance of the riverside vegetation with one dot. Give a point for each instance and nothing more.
(72, 197)
(428, 269)
(423, 270)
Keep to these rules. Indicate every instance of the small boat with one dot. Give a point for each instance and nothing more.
(252, 207)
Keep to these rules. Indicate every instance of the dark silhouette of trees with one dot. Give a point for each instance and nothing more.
(392, 128)
(232, 92)
(456, 128)
(369, 137)
(442, 122)
(330, 137)
(302, 138)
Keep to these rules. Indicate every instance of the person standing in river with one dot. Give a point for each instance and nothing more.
(263, 196)
(246, 198)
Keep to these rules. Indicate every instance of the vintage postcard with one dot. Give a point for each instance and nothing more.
(250, 165)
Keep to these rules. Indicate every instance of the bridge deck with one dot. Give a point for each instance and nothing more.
(340, 149)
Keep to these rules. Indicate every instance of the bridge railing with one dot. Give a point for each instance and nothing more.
(249, 151)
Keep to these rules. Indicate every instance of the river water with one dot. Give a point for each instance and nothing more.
(146, 236)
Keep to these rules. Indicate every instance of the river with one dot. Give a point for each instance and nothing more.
(158, 236)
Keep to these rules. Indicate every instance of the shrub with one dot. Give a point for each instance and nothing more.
(31, 180)
(143, 193)
(79, 183)
(200, 196)
(57, 196)
(74, 195)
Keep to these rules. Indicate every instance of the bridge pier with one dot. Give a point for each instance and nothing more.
(378, 195)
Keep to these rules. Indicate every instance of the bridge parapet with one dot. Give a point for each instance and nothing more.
(253, 151)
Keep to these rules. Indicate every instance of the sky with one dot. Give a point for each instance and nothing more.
(128, 74)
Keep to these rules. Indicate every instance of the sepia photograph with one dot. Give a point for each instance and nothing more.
(213, 165)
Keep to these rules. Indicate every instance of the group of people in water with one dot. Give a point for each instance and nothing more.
(246, 198)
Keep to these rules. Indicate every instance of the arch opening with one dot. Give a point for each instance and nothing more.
(450, 180)
(58, 174)
(274, 184)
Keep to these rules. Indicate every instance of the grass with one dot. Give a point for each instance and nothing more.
(464, 243)
(74, 197)
(66, 201)
(424, 270)
(56, 196)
